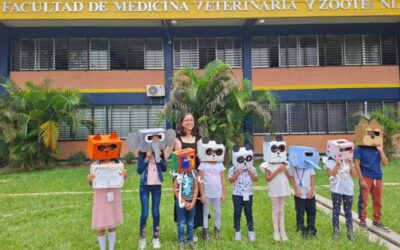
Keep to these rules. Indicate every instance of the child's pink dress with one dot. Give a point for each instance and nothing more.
(106, 214)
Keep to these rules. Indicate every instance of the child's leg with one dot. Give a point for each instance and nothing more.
(347, 205)
(275, 213)
(111, 238)
(101, 238)
(311, 209)
(248, 211)
(217, 213)
(206, 211)
(180, 219)
(336, 201)
(155, 209)
(190, 224)
(237, 211)
(282, 201)
(300, 207)
(144, 201)
(376, 192)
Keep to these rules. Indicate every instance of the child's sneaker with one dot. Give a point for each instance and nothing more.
(238, 236)
(206, 234)
(156, 243)
(335, 234)
(252, 236)
(142, 243)
(192, 245)
(363, 224)
(277, 236)
(195, 238)
(284, 236)
(217, 232)
(350, 235)
(181, 246)
(380, 226)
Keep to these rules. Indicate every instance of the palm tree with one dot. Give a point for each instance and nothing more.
(218, 101)
(30, 120)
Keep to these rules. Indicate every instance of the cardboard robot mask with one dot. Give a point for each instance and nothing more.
(303, 157)
(274, 150)
(144, 141)
(242, 157)
(340, 149)
(103, 147)
(368, 133)
(184, 160)
(210, 150)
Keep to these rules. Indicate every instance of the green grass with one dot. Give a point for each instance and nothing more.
(62, 221)
(390, 197)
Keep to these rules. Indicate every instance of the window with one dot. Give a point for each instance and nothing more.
(118, 53)
(354, 110)
(99, 53)
(352, 50)
(309, 51)
(61, 53)
(198, 52)
(288, 51)
(337, 117)
(265, 52)
(332, 50)
(154, 54)
(389, 52)
(78, 54)
(371, 50)
(318, 117)
(34, 54)
(279, 119)
(298, 117)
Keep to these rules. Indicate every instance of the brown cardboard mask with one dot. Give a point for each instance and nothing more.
(368, 133)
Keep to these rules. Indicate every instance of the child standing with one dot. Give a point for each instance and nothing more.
(150, 182)
(185, 214)
(242, 197)
(213, 190)
(107, 212)
(341, 174)
(303, 182)
(276, 174)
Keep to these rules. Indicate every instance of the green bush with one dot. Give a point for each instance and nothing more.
(77, 159)
(129, 157)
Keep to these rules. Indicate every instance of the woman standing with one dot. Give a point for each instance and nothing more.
(187, 137)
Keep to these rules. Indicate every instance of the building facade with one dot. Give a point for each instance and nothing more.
(326, 60)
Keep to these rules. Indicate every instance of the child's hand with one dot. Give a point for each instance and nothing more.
(189, 205)
(297, 192)
(124, 172)
(281, 168)
(203, 199)
(310, 194)
(90, 177)
(338, 162)
(148, 155)
(223, 198)
(379, 147)
(363, 184)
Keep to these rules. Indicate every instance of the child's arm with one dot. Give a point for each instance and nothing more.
(353, 171)
(252, 175)
(311, 193)
(195, 192)
(176, 189)
(202, 195)
(90, 178)
(236, 175)
(363, 184)
(269, 176)
(142, 162)
(333, 171)
(223, 186)
(384, 159)
(297, 191)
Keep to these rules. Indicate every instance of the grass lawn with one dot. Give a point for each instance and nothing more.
(62, 220)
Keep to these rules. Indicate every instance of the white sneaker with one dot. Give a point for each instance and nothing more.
(277, 236)
(195, 238)
(238, 236)
(142, 243)
(252, 236)
(284, 236)
(156, 243)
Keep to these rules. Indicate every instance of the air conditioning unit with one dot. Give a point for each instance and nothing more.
(155, 90)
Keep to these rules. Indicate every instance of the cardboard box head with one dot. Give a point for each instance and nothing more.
(368, 133)
(340, 149)
(242, 157)
(103, 147)
(303, 157)
(210, 150)
(184, 160)
(274, 151)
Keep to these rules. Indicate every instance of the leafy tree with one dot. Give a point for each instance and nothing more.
(30, 120)
(219, 102)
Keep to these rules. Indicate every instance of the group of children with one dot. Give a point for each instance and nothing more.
(206, 181)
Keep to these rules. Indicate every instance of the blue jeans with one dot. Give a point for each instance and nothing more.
(184, 217)
(144, 193)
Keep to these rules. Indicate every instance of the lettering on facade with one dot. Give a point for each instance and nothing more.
(205, 6)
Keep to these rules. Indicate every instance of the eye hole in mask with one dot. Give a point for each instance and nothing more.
(249, 158)
(280, 148)
(212, 151)
(309, 154)
(346, 149)
(240, 159)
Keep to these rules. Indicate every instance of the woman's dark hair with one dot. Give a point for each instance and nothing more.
(181, 131)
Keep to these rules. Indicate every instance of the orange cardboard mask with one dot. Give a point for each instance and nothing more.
(368, 133)
(103, 147)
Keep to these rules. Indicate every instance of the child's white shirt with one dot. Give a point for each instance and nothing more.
(342, 183)
(279, 185)
(302, 177)
(212, 179)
